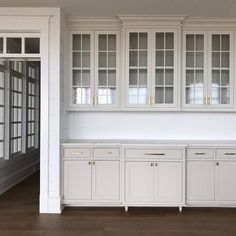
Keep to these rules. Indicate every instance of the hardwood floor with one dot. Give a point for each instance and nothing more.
(19, 216)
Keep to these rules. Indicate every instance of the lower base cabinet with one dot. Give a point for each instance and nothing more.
(209, 181)
(155, 182)
(92, 180)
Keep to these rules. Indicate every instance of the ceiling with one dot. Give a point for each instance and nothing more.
(111, 8)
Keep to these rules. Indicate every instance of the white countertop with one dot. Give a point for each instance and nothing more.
(114, 142)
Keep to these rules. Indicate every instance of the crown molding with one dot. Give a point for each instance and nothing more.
(151, 20)
(93, 23)
(209, 22)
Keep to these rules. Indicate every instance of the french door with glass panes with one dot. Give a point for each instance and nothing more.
(207, 69)
(152, 68)
(94, 69)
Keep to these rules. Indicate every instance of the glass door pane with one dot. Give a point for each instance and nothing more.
(194, 69)
(220, 79)
(164, 68)
(81, 69)
(107, 53)
(138, 68)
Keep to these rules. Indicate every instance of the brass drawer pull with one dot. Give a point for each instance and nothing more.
(200, 153)
(155, 154)
(230, 153)
(77, 153)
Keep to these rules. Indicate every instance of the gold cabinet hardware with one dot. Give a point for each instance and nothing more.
(89, 162)
(149, 100)
(217, 163)
(154, 154)
(93, 162)
(206, 101)
(209, 101)
(77, 153)
(153, 100)
(156, 164)
(152, 164)
(200, 153)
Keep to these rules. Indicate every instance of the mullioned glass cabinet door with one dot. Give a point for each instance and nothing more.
(81, 63)
(194, 64)
(106, 66)
(220, 89)
(164, 85)
(138, 68)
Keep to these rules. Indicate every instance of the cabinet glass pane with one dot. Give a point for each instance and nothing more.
(133, 58)
(189, 77)
(160, 58)
(85, 42)
(76, 77)
(225, 59)
(159, 76)
(216, 42)
(225, 42)
(224, 78)
(199, 60)
(143, 58)
(199, 42)
(215, 78)
(14, 45)
(106, 69)
(225, 95)
(169, 58)
(160, 41)
(159, 95)
(169, 92)
(190, 59)
(169, 77)
(169, 41)
(112, 42)
(102, 60)
(102, 42)
(76, 59)
(143, 41)
(138, 62)
(76, 42)
(190, 42)
(199, 77)
(86, 59)
(133, 41)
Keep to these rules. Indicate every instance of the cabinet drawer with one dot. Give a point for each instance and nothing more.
(106, 152)
(200, 153)
(226, 153)
(77, 152)
(153, 153)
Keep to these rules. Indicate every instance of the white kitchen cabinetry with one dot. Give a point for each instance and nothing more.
(208, 70)
(151, 69)
(139, 181)
(156, 182)
(211, 179)
(94, 70)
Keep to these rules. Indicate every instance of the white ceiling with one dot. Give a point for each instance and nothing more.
(110, 8)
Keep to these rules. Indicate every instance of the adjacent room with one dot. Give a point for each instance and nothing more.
(117, 117)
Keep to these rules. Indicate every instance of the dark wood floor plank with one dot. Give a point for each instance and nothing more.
(19, 217)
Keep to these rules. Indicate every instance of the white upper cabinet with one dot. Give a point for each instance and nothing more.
(151, 69)
(93, 63)
(208, 70)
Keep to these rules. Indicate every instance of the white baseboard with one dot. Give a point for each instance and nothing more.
(50, 205)
(18, 176)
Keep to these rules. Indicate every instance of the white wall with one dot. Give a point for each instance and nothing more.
(152, 125)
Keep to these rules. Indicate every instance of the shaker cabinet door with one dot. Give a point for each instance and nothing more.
(168, 182)
(106, 180)
(77, 180)
(200, 181)
(139, 177)
(225, 181)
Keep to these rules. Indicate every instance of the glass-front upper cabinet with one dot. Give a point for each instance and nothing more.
(81, 62)
(164, 84)
(138, 68)
(94, 70)
(207, 69)
(106, 66)
(151, 75)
